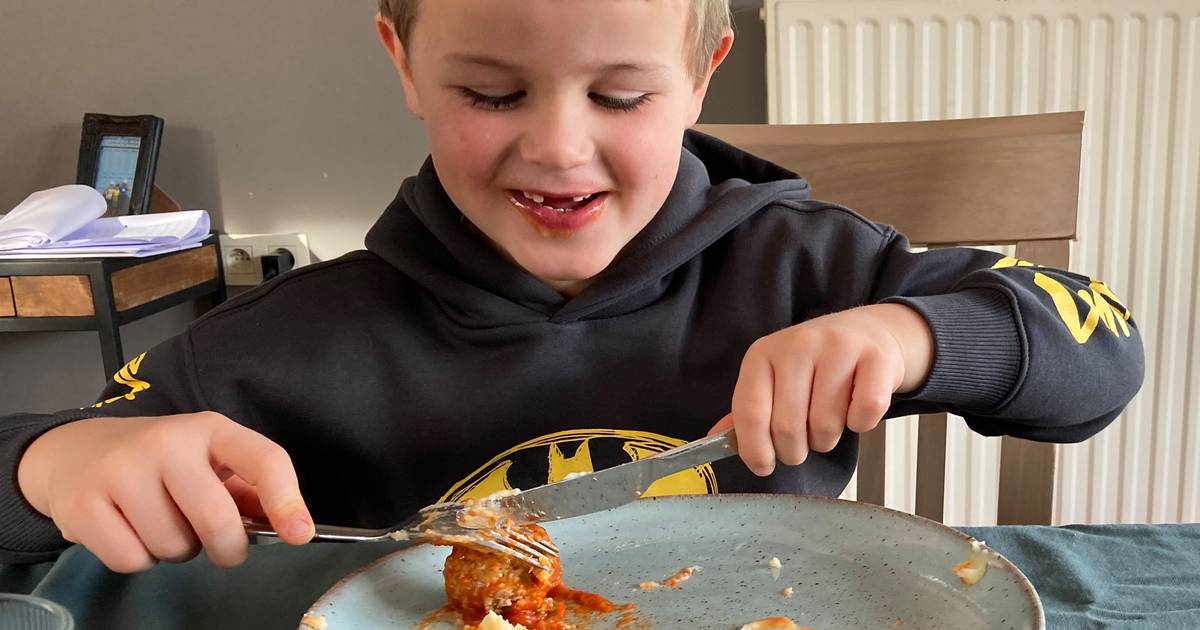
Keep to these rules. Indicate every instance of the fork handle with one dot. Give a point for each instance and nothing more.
(262, 533)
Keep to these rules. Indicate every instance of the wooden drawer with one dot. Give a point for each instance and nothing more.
(135, 286)
(7, 308)
(52, 296)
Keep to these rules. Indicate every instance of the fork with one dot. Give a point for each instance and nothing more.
(438, 522)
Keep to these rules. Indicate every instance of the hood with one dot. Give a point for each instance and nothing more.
(426, 237)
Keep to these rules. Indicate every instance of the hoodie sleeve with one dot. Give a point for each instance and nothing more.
(1020, 349)
(155, 383)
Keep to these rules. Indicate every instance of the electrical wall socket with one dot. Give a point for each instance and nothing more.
(243, 254)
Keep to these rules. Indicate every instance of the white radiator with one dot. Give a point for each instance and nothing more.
(1135, 68)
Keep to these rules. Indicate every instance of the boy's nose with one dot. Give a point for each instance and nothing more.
(557, 139)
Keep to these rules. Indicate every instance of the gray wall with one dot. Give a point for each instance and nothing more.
(281, 116)
(739, 90)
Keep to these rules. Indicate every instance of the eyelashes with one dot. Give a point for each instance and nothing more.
(512, 100)
(619, 104)
(495, 103)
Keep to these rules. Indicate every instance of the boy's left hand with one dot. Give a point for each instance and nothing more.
(801, 387)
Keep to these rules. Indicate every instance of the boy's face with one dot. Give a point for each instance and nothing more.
(555, 125)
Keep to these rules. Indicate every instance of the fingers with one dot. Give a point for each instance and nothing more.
(109, 536)
(210, 509)
(831, 390)
(150, 510)
(245, 497)
(136, 490)
(872, 395)
(800, 388)
(722, 424)
(790, 412)
(265, 465)
(752, 400)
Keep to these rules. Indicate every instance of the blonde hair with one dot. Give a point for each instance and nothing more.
(709, 21)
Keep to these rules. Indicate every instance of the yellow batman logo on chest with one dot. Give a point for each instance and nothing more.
(553, 457)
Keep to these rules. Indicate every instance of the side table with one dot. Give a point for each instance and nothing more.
(102, 294)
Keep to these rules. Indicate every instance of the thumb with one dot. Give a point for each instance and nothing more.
(264, 465)
(722, 424)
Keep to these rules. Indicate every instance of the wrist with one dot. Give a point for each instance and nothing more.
(34, 467)
(914, 338)
(31, 472)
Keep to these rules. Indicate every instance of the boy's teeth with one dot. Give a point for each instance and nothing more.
(541, 199)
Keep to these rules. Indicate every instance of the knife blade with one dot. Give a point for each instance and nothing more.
(611, 487)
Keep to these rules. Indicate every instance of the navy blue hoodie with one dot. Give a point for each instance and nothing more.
(429, 367)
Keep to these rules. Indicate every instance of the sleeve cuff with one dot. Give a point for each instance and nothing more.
(979, 351)
(25, 534)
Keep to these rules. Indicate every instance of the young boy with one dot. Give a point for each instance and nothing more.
(570, 282)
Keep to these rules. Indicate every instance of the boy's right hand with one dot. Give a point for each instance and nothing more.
(138, 490)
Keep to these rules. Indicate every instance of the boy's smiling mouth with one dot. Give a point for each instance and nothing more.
(560, 215)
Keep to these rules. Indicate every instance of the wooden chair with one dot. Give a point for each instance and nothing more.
(944, 183)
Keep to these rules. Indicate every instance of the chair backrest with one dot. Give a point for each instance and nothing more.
(982, 181)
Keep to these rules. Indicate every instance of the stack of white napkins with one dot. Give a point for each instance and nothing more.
(65, 222)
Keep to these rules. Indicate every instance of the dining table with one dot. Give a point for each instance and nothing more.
(1087, 577)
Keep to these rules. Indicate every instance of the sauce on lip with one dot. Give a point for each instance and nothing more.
(555, 223)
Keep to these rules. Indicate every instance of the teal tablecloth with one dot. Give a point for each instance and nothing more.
(1107, 576)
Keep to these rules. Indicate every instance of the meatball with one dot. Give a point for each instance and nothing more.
(479, 581)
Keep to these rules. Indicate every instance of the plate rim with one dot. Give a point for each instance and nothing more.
(1027, 588)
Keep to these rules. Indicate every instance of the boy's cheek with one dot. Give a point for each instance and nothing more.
(460, 128)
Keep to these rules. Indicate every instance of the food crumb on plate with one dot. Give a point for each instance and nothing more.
(971, 570)
(789, 591)
(680, 576)
(775, 565)
(316, 622)
(774, 623)
(494, 622)
(673, 581)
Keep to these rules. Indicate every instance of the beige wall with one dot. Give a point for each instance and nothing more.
(281, 116)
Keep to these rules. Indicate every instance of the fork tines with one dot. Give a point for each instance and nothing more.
(505, 539)
(520, 540)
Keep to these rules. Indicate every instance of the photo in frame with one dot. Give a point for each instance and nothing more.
(118, 156)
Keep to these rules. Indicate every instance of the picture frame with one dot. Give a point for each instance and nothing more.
(118, 156)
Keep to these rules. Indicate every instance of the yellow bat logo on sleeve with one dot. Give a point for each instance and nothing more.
(1103, 306)
(127, 376)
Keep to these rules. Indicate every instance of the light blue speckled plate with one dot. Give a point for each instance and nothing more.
(851, 566)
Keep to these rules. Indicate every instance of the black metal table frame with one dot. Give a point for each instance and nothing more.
(106, 321)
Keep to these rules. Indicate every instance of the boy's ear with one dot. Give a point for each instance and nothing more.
(719, 55)
(395, 50)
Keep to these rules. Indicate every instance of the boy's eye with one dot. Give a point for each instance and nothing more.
(619, 104)
(497, 103)
(512, 99)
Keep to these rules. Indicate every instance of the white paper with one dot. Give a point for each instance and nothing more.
(65, 222)
(96, 252)
(168, 227)
(49, 215)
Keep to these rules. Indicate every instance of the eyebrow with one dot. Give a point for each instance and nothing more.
(491, 62)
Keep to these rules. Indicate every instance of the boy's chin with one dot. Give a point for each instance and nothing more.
(574, 273)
